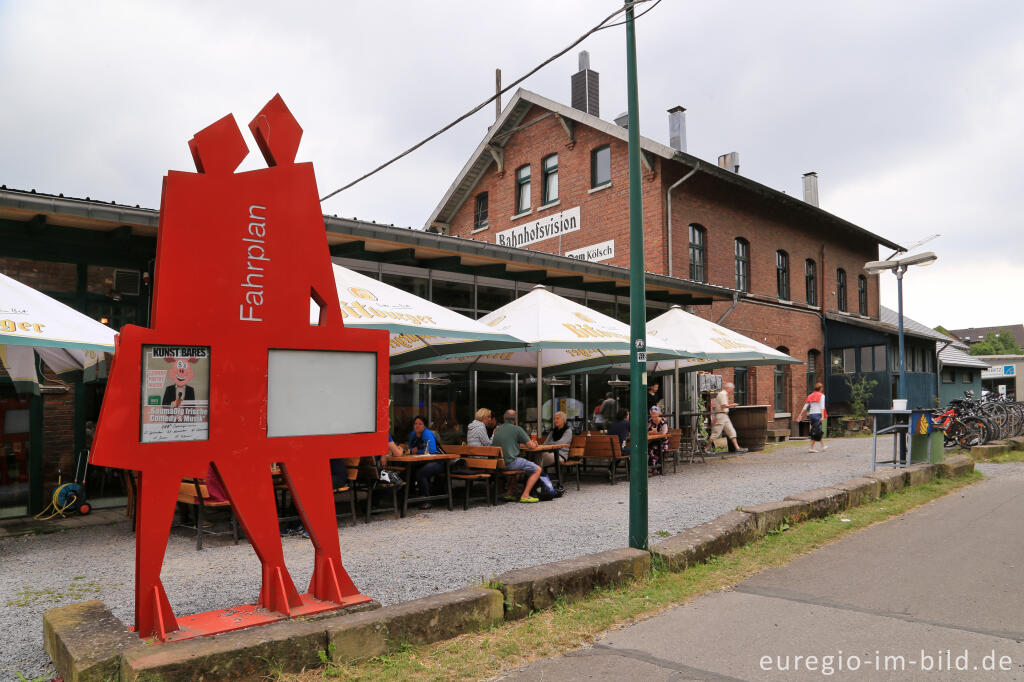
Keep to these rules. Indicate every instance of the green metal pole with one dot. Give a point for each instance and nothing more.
(35, 454)
(637, 312)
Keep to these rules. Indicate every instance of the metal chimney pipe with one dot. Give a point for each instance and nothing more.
(730, 161)
(677, 128)
(811, 188)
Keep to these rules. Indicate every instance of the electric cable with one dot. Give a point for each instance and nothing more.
(599, 27)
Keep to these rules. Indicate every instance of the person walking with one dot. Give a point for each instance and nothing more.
(814, 408)
(720, 405)
(609, 408)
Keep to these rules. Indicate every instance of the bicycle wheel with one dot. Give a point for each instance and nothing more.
(973, 432)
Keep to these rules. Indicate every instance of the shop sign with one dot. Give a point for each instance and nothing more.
(1000, 372)
(595, 252)
(538, 230)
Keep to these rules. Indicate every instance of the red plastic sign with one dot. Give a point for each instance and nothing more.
(239, 257)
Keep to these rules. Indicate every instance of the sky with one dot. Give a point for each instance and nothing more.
(910, 112)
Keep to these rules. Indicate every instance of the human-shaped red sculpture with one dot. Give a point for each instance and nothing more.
(239, 259)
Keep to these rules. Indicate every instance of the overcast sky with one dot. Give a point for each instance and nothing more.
(909, 111)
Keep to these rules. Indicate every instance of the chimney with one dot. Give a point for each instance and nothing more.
(811, 188)
(730, 161)
(677, 128)
(622, 120)
(585, 94)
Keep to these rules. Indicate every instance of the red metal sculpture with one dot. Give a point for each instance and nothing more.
(239, 258)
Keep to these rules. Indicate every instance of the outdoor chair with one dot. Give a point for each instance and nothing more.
(286, 511)
(367, 480)
(193, 493)
(481, 465)
(675, 448)
(607, 448)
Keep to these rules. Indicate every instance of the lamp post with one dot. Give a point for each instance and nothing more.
(899, 267)
(637, 312)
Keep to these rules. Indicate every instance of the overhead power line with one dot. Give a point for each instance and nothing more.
(599, 27)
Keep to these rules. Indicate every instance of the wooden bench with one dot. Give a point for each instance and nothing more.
(606, 447)
(194, 493)
(482, 464)
(365, 476)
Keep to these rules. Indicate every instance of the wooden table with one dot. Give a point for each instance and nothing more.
(413, 461)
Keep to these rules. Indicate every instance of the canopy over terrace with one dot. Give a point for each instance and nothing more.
(562, 336)
(32, 323)
(420, 330)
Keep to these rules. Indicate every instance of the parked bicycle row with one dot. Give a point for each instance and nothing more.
(968, 421)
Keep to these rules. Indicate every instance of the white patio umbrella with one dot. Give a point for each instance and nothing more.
(420, 330)
(563, 336)
(32, 323)
(712, 344)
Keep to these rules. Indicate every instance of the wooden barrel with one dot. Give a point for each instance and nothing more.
(751, 424)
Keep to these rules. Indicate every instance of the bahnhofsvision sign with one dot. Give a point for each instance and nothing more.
(538, 230)
(595, 252)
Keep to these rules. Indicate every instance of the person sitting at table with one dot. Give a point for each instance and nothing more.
(620, 427)
(656, 449)
(509, 436)
(422, 441)
(476, 434)
(561, 433)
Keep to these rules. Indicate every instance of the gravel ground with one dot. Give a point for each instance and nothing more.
(390, 560)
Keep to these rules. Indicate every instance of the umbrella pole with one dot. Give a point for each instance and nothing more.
(675, 390)
(540, 393)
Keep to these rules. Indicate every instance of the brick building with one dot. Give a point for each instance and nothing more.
(553, 178)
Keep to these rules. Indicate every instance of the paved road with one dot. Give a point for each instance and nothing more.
(891, 600)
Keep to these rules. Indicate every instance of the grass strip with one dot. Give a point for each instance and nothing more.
(569, 626)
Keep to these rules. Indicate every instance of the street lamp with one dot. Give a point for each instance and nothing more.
(899, 267)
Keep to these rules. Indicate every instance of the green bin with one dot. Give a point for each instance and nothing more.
(925, 441)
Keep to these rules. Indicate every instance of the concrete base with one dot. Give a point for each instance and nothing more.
(86, 641)
(919, 474)
(960, 465)
(823, 501)
(890, 479)
(536, 588)
(695, 545)
(860, 490)
(420, 621)
(989, 450)
(771, 515)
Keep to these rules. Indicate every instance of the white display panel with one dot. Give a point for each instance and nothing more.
(316, 393)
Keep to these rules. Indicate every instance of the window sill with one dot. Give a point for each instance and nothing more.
(480, 229)
(783, 415)
(525, 213)
(556, 202)
(599, 188)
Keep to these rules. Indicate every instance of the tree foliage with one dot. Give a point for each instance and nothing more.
(1002, 343)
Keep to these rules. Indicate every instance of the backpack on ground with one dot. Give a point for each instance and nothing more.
(545, 490)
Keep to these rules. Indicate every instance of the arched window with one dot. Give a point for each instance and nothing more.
(480, 212)
(812, 369)
(549, 177)
(698, 254)
(811, 281)
(862, 294)
(742, 251)
(523, 189)
(781, 397)
(841, 289)
(782, 274)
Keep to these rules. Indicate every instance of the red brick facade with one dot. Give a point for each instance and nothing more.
(726, 212)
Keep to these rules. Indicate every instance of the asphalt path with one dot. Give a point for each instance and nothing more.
(933, 594)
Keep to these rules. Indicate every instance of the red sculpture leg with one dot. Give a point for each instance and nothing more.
(253, 500)
(310, 481)
(154, 514)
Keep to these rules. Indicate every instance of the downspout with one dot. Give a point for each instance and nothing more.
(668, 201)
(735, 302)
(938, 372)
